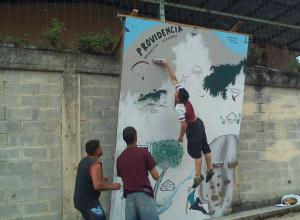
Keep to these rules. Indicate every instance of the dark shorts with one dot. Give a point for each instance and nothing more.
(196, 139)
(95, 213)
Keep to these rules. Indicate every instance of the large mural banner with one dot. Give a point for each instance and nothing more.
(209, 64)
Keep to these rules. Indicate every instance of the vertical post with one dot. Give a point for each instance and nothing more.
(162, 10)
(71, 150)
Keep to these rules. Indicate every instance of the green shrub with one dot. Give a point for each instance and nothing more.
(21, 41)
(97, 43)
(41, 45)
(293, 66)
(255, 55)
(17, 42)
(2, 38)
(53, 33)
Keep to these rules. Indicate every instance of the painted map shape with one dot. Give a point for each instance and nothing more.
(221, 77)
(155, 95)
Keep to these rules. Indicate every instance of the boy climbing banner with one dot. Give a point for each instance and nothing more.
(209, 64)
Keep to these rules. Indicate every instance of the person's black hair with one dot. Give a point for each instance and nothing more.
(91, 146)
(129, 135)
(183, 95)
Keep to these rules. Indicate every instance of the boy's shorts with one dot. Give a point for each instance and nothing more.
(196, 139)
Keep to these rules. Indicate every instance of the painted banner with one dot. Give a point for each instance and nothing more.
(209, 64)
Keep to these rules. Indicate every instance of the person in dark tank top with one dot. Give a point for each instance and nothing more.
(90, 182)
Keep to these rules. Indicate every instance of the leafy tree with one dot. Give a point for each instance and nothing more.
(166, 153)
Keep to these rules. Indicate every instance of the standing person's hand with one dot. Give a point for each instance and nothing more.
(180, 139)
(116, 186)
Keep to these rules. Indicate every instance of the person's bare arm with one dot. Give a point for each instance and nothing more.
(97, 178)
(183, 127)
(154, 173)
(171, 73)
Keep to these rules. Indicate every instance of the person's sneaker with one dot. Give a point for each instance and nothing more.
(197, 181)
(209, 175)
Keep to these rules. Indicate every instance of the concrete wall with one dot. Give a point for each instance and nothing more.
(269, 147)
(99, 103)
(51, 103)
(30, 144)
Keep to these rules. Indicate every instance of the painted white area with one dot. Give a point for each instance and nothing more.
(193, 52)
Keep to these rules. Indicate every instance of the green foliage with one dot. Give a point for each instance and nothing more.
(255, 55)
(21, 41)
(17, 42)
(41, 45)
(293, 66)
(167, 153)
(53, 33)
(2, 38)
(97, 43)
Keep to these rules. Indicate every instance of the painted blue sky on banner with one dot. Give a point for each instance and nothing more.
(235, 42)
(134, 29)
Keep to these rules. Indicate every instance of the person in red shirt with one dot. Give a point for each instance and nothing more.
(190, 125)
(133, 166)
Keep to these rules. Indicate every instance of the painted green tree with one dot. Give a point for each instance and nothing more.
(155, 95)
(221, 77)
(166, 153)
